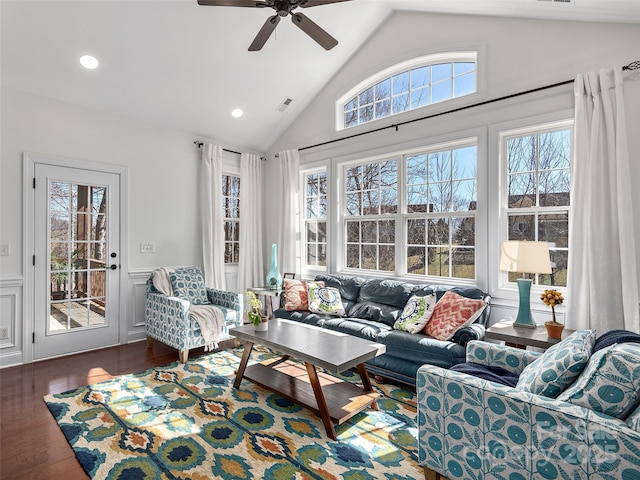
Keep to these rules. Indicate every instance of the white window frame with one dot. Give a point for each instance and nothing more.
(466, 56)
(498, 281)
(232, 220)
(467, 138)
(304, 173)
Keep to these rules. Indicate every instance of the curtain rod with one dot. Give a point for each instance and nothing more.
(199, 144)
(632, 66)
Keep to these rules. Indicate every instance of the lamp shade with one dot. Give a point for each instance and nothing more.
(525, 257)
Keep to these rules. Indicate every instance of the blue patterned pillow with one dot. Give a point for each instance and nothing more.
(610, 383)
(325, 300)
(558, 367)
(188, 283)
(633, 420)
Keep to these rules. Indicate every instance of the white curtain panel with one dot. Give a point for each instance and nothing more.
(212, 217)
(250, 267)
(602, 284)
(289, 230)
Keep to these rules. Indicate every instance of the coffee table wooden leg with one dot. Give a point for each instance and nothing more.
(366, 383)
(322, 403)
(246, 354)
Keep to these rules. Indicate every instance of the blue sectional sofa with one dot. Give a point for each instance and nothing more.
(372, 307)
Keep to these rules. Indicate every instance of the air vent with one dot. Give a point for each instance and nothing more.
(287, 101)
(556, 1)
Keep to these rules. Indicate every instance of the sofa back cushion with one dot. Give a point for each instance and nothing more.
(378, 312)
(610, 383)
(347, 285)
(559, 366)
(387, 292)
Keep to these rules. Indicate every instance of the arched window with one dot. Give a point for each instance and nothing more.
(408, 85)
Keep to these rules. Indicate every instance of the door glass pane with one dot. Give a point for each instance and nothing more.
(78, 254)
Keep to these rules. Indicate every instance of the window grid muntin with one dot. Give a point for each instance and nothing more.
(231, 215)
(365, 107)
(315, 219)
(533, 208)
(402, 217)
(443, 160)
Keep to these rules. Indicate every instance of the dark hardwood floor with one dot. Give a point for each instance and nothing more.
(31, 444)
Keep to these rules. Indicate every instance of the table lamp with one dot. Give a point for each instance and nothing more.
(525, 257)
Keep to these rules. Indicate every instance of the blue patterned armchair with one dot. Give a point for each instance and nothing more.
(168, 318)
(471, 428)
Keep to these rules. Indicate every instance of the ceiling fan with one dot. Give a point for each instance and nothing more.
(282, 8)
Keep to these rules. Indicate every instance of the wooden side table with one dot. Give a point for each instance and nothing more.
(522, 337)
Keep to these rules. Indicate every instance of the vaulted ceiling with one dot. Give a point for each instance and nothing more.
(185, 66)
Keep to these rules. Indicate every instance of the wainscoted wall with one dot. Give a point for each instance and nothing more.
(10, 321)
(132, 326)
(137, 295)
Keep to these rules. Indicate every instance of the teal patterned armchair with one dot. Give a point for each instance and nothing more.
(168, 318)
(472, 428)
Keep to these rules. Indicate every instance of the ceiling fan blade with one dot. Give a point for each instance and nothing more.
(315, 3)
(264, 33)
(312, 29)
(232, 3)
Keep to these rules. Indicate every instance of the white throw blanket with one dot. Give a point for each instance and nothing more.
(209, 317)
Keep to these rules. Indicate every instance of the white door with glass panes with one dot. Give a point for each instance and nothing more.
(76, 260)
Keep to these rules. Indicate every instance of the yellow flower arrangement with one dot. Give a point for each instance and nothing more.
(552, 298)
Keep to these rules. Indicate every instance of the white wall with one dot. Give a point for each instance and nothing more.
(516, 55)
(164, 185)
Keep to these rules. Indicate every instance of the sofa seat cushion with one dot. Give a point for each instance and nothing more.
(421, 348)
(377, 312)
(301, 316)
(559, 366)
(357, 327)
(610, 383)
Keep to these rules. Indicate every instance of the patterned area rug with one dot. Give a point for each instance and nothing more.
(188, 422)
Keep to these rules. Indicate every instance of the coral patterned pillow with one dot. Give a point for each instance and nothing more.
(296, 294)
(451, 313)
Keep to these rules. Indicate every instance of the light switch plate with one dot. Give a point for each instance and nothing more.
(147, 248)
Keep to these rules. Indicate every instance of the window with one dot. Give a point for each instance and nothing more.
(537, 197)
(414, 214)
(371, 204)
(409, 85)
(441, 203)
(231, 213)
(315, 219)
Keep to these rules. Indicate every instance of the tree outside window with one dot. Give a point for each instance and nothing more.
(231, 214)
(538, 194)
(441, 203)
(315, 219)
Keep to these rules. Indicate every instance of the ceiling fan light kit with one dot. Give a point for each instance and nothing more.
(282, 9)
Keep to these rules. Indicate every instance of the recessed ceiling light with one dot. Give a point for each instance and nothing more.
(88, 61)
(237, 113)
